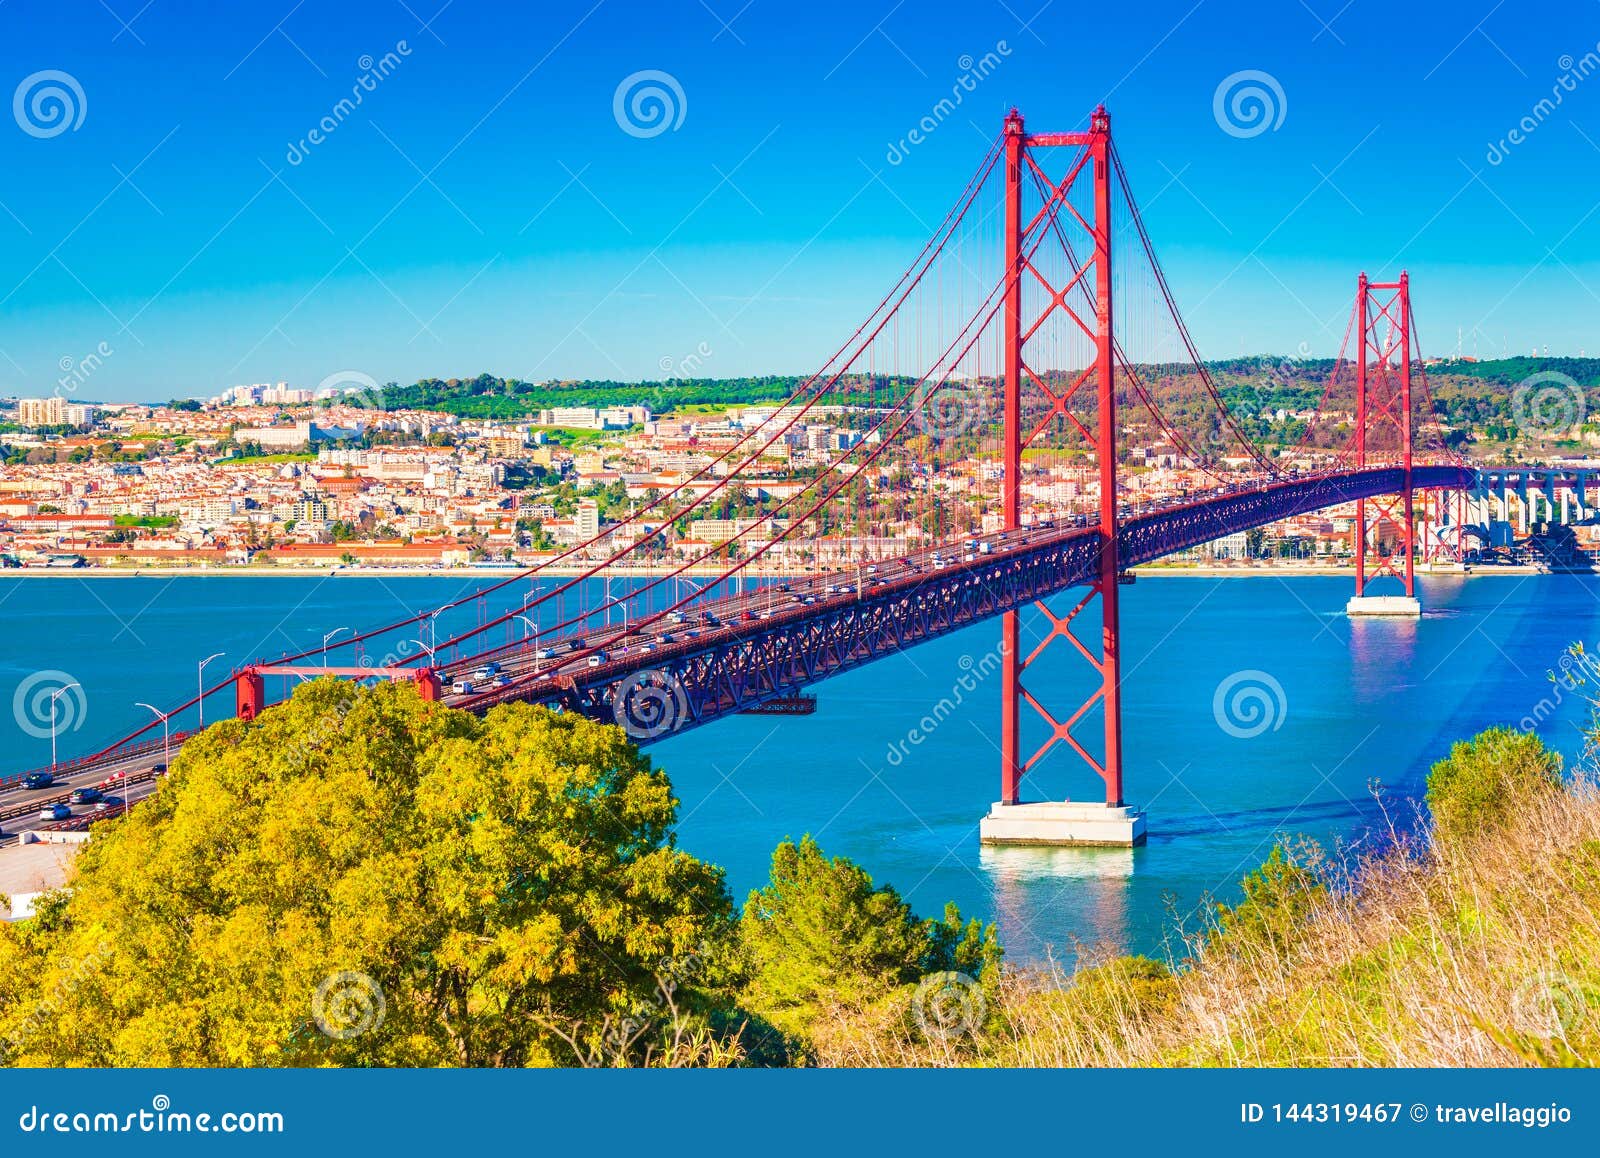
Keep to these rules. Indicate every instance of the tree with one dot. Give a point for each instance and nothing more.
(1479, 785)
(821, 934)
(358, 877)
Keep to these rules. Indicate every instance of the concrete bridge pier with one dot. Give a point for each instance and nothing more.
(1059, 822)
(1384, 606)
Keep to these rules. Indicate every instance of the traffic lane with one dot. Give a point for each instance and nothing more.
(82, 776)
(769, 597)
(16, 806)
(134, 793)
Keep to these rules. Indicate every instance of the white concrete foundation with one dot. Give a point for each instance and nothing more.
(1403, 606)
(1062, 823)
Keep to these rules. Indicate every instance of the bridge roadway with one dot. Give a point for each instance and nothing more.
(741, 651)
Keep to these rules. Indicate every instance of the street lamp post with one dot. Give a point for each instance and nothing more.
(533, 634)
(200, 686)
(166, 742)
(53, 697)
(433, 630)
(325, 640)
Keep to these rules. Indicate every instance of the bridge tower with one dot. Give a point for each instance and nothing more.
(1386, 536)
(1010, 821)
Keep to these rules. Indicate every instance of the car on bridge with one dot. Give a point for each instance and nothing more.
(38, 780)
(55, 812)
(84, 796)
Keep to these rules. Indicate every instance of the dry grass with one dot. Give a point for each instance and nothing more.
(1481, 952)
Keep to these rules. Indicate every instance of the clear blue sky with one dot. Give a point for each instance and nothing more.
(482, 210)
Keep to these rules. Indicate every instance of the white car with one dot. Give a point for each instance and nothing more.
(462, 688)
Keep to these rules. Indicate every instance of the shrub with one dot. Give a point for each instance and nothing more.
(1278, 896)
(1479, 785)
(822, 935)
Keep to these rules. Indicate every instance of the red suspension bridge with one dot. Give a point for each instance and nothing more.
(980, 426)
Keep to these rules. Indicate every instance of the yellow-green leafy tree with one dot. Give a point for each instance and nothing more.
(361, 878)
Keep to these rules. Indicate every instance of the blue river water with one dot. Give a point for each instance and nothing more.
(900, 761)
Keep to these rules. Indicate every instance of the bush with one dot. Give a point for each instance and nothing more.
(821, 935)
(1480, 784)
(1278, 896)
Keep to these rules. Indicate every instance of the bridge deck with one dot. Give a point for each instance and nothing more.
(660, 675)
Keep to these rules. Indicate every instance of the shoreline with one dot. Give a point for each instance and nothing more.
(248, 570)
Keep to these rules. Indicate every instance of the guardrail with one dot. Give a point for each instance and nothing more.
(38, 803)
(78, 764)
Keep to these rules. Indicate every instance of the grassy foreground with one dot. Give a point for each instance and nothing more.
(362, 878)
(1474, 943)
